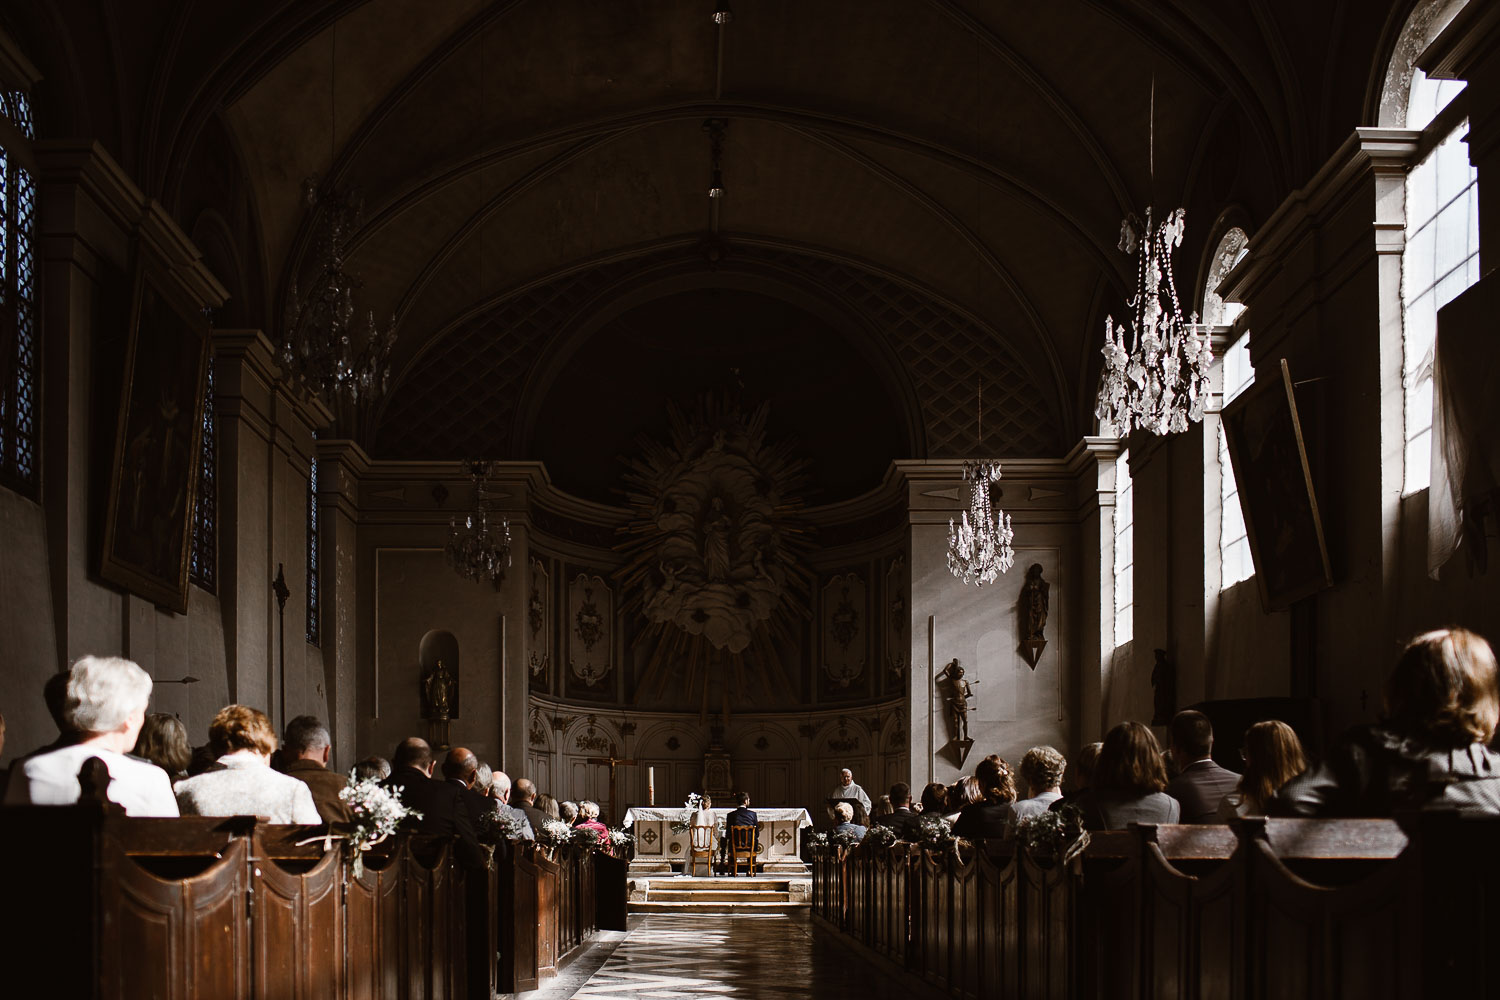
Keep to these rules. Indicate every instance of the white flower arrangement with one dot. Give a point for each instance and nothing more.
(880, 835)
(553, 833)
(694, 802)
(377, 812)
(620, 841)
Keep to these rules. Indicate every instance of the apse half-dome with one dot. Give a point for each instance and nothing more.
(614, 387)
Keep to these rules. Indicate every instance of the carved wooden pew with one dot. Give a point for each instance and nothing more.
(1270, 908)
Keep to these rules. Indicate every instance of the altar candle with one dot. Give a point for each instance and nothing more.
(650, 786)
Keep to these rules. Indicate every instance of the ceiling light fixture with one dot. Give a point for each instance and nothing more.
(322, 345)
(1159, 381)
(474, 551)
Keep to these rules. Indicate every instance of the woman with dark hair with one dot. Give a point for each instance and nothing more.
(990, 816)
(1129, 783)
(1431, 748)
(962, 793)
(164, 742)
(1273, 756)
(934, 796)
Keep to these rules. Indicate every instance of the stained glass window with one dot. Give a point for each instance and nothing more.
(313, 634)
(204, 556)
(20, 356)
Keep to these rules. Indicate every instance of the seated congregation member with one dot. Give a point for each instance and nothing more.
(567, 810)
(960, 795)
(1431, 748)
(500, 791)
(526, 801)
(371, 767)
(902, 819)
(881, 809)
(105, 700)
(444, 813)
(1041, 771)
(461, 770)
(588, 819)
(164, 742)
(843, 813)
(991, 815)
(1080, 774)
(934, 798)
(305, 749)
(247, 786)
(1129, 784)
(1273, 756)
(549, 806)
(1200, 784)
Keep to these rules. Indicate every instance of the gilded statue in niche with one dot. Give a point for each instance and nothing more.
(440, 688)
(1033, 606)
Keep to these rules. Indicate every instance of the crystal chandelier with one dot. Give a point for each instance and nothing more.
(322, 344)
(1160, 382)
(474, 550)
(979, 544)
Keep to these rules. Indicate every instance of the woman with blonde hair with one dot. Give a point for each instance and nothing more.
(1431, 747)
(246, 786)
(1273, 756)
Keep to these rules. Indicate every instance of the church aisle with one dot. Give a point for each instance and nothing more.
(722, 955)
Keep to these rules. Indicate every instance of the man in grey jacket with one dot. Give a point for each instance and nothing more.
(1200, 784)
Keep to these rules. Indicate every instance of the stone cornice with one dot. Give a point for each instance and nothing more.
(1472, 36)
(88, 167)
(1366, 150)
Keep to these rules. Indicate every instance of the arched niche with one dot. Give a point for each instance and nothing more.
(440, 645)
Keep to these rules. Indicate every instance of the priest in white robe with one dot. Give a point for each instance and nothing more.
(847, 789)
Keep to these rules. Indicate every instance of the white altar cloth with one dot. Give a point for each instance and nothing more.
(677, 814)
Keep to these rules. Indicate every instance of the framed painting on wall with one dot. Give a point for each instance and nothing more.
(1267, 452)
(153, 477)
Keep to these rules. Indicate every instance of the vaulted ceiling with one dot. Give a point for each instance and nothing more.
(971, 159)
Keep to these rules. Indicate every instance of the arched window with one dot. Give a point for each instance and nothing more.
(20, 423)
(1441, 257)
(1124, 552)
(1237, 374)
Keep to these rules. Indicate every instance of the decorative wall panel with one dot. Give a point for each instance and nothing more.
(590, 625)
(845, 630)
(539, 626)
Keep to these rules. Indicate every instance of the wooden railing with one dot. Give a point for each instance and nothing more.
(96, 904)
(1271, 908)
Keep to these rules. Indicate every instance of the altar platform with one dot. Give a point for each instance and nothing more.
(659, 849)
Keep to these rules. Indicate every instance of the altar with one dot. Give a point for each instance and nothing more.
(657, 847)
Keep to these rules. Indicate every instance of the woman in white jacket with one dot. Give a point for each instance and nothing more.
(242, 782)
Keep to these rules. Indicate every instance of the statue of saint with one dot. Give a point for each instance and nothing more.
(716, 526)
(1034, 601)
(440, 688)
(960, 691)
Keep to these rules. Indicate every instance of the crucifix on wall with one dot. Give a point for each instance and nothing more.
(613, 763)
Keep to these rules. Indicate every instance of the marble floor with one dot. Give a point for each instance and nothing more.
(682, 957)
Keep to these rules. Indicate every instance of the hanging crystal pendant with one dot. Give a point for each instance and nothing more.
(474, 551)
(979, 545)
(1158, 383)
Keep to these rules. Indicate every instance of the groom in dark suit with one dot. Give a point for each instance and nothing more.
(741, 816)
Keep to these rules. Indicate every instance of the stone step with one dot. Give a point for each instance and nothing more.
(743, 908)
(710, 896)
(682, 883)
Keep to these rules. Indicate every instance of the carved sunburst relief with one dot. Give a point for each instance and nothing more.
(715, 546)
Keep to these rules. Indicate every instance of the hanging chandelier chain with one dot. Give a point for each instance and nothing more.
(475, 551)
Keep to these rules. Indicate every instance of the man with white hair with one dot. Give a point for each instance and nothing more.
(500, 789)
(106, 705)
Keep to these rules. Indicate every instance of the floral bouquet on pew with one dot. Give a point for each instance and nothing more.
(619, 842)
(377, 813)
(553, 834)
(1053, 837)
(843, 838)
(934, 831)
(879, 835)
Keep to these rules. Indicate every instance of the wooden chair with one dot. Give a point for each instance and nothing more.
(701, 845)
(742, 846)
